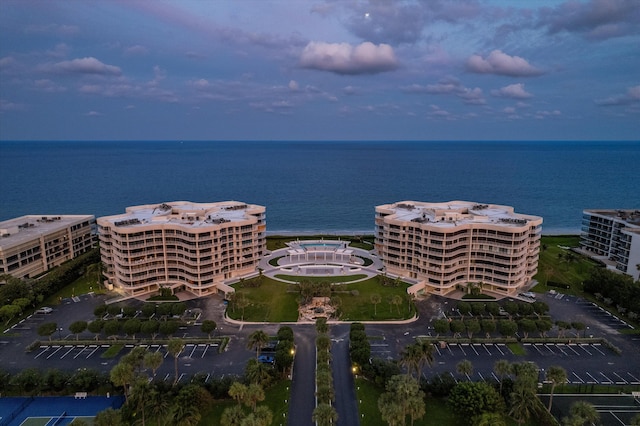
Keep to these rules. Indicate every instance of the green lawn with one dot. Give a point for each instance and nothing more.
(87, 283)
(557, 269)
(276, 301)
(275, 398)
(357, 306)
(332, 279)
(269, 303)
(517, 349)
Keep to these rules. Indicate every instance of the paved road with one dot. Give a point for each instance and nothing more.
(346, 403)
(303, 399)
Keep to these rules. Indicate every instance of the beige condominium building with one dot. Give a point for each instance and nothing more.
(613, 238)
(447, 246)
(181, 245)
(31, 245)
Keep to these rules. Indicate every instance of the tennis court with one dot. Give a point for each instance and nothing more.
(53, 411)
(614, 409)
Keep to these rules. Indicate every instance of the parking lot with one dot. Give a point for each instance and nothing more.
(602, 315)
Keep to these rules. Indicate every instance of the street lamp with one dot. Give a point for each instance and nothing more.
(60, 333)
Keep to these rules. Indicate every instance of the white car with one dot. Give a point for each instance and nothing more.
(44, 310)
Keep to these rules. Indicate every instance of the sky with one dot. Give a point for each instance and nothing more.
(320, 70)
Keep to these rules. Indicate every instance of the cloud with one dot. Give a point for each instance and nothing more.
(343, 58)
(94, 114)
(52, 29)
(293, 86)
(60, 51)
(136, 50)
(200, 83)
(632, 95)
(514, 91)
(546, 114)
(502, 64)
(6, 105)
(7, 62)
(449, 86)
(89, 65)
(594, 19)
(48, 86)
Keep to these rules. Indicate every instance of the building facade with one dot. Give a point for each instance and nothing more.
(31, 245)
(448, 246)
(613, 237)
(182, 246)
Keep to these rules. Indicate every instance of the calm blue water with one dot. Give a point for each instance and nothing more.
(320, 186)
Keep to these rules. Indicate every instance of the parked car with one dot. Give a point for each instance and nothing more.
(44, 310)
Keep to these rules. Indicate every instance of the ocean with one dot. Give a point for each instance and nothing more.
(320, 187)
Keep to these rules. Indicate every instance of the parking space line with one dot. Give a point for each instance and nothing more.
(474, 348)
(93, 351)
(536, 348)
(449, 347)
(578, 377)
(559, 346)
(437, 350)
(192, 351)
(206, 348)
(582, 346)
(570, 346)
(43, 351)
(594, 379)
(495, 377)
(165, 377)
(454, 377)
(547, 346)
(54, 352)
(594, 347)
(633, 377)
(608, 382)
(481, 377)
(487, 349)
(498, 348)
(465, 354)
(623, 381)
(180, 378)
(81, 350)
(71, 348)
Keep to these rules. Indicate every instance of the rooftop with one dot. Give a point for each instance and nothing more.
(185, 213)
(455, 213)
(25, 228)
(631, 217)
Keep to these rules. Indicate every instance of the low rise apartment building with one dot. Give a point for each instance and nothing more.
(181, 245)
(447, 246)
(613, 238)
(31, 245)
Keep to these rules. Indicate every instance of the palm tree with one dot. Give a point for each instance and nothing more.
(324, 415)
(556, 375)
(502, 368)
(375, 299)
(523, 402)
(489, 419)
(153, 360)
(174, 347)
(257, 340)
(465, 367)
(121, 375)
(238, 391)
(584, 411)
(410, 358)
(254, 394)
(426, 348)
(232, 416)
